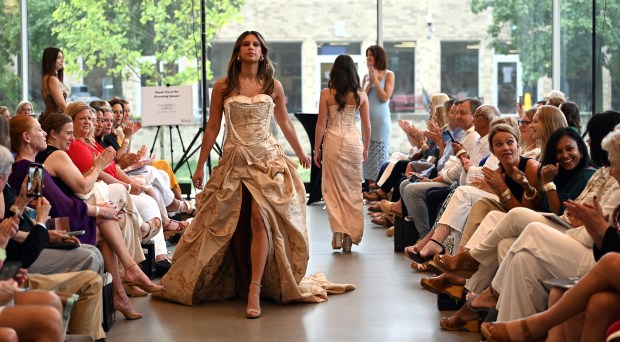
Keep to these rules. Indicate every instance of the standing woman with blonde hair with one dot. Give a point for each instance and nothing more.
(53, 90)
(379, 85)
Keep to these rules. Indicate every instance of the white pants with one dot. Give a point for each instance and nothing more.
(494, 237)
(540, 253)
(460, 205)
(148, 209)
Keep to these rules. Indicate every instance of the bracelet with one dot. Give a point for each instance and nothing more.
(128, 188)
(458, 154)
(16, 210)
(530, 198)
(424, 147)
(2, 254)
(549, 186)
(96, 211)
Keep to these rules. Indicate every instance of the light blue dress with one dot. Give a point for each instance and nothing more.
(381, 128)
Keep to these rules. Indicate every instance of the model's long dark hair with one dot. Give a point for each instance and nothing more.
(550, 155)
(343, 78)
(48, 61)
(265, 69)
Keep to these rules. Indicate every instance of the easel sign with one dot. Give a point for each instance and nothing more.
(167, 106)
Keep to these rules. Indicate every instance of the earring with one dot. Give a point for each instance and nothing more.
(238, 59)
(262, 58)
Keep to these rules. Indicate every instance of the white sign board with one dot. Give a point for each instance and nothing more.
(167, 106)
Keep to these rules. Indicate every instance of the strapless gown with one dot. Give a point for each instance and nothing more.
(342, 172)
(204, 267)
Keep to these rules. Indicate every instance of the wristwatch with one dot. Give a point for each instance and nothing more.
(506, 195)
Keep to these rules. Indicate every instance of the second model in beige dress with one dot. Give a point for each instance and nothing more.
(342, 172)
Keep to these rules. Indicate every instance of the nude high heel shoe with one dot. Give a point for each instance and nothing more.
(122, 304)
(253, 313)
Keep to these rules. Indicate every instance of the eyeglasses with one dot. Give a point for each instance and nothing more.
(524, 123)
(479, 116)
(106, 120)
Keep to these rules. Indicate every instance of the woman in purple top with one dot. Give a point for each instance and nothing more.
(100, 222)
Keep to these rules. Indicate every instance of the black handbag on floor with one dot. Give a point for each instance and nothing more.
(108, 305)
(405, 233)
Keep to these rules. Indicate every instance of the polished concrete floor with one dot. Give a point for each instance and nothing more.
(388, 304)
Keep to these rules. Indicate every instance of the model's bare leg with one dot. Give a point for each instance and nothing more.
(258, 254)
(240, 243)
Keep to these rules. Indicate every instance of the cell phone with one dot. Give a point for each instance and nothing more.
(9, 269)
(35, 180)
(520, 99)
(450, 135)
(75, 233)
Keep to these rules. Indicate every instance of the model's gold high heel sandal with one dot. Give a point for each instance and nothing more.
(253, 313)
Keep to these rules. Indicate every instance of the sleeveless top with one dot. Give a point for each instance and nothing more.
(42, 157)
(516, 188)
(50, 104)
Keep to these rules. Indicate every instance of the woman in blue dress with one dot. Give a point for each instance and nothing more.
(379, 86)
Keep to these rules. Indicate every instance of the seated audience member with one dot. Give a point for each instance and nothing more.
(4, 112)
(513, 184)
(24, 108)
(86, 315)
(529, 146)
(571, 112)
(517, 288)
(59, 129)
(441, 137)
(597, 294)
(99, 222)
(51, 260)
(414, 194)
(82, 151)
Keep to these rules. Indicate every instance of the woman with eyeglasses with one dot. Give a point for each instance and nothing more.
(529, 148)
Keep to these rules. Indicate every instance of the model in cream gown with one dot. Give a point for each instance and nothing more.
(204, 266)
